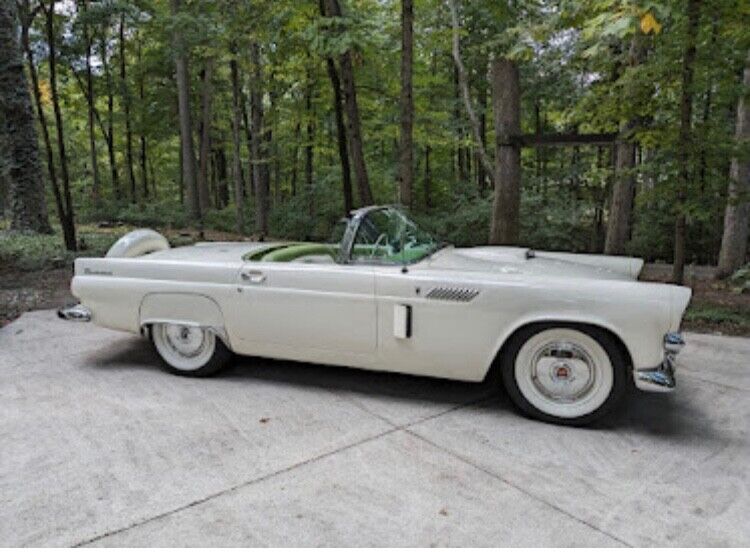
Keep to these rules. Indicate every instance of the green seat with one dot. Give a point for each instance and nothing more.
(295, 251)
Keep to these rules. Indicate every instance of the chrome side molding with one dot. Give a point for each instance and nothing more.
(75, 313)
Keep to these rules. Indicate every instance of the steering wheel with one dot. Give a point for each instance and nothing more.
(382, 237)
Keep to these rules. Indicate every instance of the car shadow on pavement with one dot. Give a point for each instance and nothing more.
(665, 415)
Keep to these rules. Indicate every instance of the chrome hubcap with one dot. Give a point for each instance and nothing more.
(563, 372)
(185, 340)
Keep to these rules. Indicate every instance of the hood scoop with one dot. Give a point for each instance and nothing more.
(459, 294)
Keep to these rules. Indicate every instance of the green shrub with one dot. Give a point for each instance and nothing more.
(718, 314)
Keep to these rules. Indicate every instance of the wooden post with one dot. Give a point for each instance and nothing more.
(506, 100)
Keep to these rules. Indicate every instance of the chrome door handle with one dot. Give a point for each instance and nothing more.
(253, 276)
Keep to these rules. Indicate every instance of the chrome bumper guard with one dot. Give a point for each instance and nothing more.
(75, 313)
(661, 378)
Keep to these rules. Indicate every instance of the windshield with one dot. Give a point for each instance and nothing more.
(388, 236)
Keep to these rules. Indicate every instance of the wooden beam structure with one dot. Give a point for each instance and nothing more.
(570, 139)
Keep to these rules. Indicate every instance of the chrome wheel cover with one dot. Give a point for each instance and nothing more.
(186, 341)
(184, 347)
(564, 372)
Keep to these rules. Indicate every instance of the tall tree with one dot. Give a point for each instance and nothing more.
(125, 94)
(142, 123)
(109, 134)
(737, 215)
(341, 138)
(406, 145)
(236, 160)
(623, 191)
(65, 202)
(354, 126)
(621, 204)
(258, 153)
(685, 137)
(462, 82)
(309, 146)
(186, 125)
(90, 100)
(506, 97)
(17, 134)
(205, 137)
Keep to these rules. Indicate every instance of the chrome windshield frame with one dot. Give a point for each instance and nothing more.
(355, 221)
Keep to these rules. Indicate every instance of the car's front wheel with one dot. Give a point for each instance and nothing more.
(570, 375)
(189, 350)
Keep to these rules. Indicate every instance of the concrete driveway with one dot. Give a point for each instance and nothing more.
(99, 447)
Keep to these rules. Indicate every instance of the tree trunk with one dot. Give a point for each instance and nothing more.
(623, 191)
(684, 145)
(427, 179)
(95, 185)
(249, 144)
(342, 140)
(621, 205)
(354, 128)
(205, 138)
(221, 179)
(67, 217)
(463, 84)
(28, 207)
(109, 136)
(186, 125)
(125, 93)
(481, 172)
(258, 155)
(406, 146)
(236, 161)
(309, 151)
(737, 215)
(506, 98)
(295, 155)
(141, 134)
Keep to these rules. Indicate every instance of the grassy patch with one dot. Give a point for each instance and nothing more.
(727, 319)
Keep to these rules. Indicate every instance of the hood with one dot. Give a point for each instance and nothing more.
(519, 260)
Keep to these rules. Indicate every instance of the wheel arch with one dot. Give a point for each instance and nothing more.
(189, 309)
(493, 370)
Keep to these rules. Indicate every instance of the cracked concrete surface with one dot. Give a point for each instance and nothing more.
(99, 447)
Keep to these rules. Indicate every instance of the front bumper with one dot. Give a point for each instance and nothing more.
(661, 378)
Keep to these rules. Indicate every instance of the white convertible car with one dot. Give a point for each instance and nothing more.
(566, 334)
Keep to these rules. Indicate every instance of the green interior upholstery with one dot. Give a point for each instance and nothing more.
(295, 251)
(290, 252)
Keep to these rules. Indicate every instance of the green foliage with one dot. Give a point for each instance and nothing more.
(39, 251)
(719, 315)
(740, 280)
(578, 72)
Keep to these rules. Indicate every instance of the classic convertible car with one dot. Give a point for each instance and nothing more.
(566, 334)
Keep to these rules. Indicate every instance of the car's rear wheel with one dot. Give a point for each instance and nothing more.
(569, 375)
(189, 350)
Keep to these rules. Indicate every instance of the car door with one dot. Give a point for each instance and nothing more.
(430, 325)
(298, 307)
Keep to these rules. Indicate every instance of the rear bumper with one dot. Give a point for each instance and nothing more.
(661, 379)
(75, 313)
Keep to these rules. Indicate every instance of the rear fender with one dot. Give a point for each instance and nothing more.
(187, 309)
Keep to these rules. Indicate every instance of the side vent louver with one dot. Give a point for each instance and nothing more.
(462, 295)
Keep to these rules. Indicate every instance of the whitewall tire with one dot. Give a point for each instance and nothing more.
(564, 374)
(189, 350)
